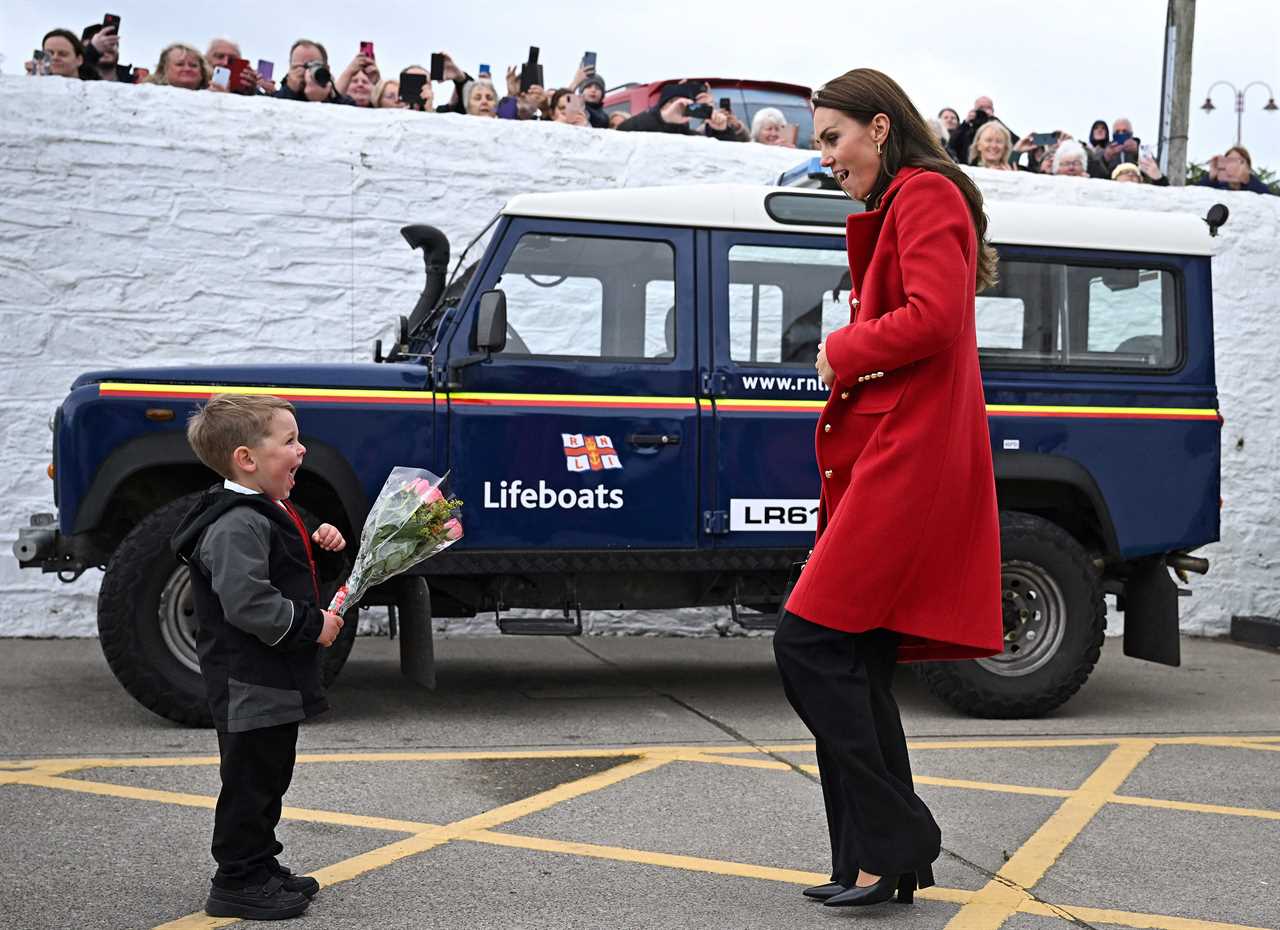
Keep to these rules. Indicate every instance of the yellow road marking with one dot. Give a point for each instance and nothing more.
(1248, 744)
(997, 901)
(987, 908)
(433, 836)
(181, 799)
(1139, 921)
(72, 764)
(1262, 813)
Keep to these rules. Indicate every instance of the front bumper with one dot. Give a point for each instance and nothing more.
(41, 545)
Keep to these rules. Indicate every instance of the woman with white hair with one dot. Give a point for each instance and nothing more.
(1071, 160)
(480, 98)
(769, 127)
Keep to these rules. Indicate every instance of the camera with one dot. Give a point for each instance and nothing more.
(698, 111)
(320, 73)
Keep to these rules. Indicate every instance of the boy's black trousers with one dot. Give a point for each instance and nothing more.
(256, 769)
(841, 686)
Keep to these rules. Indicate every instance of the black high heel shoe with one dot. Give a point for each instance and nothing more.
(824, 892)
(904, 885)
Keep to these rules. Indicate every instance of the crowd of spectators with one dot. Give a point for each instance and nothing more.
(982, 139)
(1109, 152)
(683, 109)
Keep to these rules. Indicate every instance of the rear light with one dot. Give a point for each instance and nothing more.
(50, 471)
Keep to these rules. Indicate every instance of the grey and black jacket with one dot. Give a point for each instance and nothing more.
(255, 592)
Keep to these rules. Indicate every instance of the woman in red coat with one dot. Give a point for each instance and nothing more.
(906, 566)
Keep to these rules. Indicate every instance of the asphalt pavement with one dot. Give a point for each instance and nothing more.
(640, 782)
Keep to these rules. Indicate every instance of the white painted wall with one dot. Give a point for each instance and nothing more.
(150, 225)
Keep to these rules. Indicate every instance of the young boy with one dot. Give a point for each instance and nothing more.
(260, 626)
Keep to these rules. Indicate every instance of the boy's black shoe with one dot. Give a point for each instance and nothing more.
(268, 901)
(302, 884)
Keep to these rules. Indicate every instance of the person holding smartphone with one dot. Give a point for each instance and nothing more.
(102, 53)
(678, 104)
(592, 91)
(569, 108)
(61, 54)
(1233, 171)
(1124, 146)
(362, 63)
(223, 53)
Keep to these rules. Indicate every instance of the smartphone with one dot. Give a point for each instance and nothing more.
(589, 61)
(726, 104)
(575, 104)
(111, 19)
(530, 74)
(698, 111)
(411, 87)
(437, 67)
(366, 49)
(265, 68)
(485, 72)
(222, 76)
(236, 68)
(1120, 138)
(1147, 151)
(1044, 138)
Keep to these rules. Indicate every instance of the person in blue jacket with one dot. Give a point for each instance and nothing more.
(1233, 171)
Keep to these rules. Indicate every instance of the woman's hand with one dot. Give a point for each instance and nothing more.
(825, 371)
(1150, 168)
(513, 81)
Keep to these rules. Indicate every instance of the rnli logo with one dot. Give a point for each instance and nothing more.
(589, 453)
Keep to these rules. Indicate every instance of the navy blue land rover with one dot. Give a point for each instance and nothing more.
(622, 389)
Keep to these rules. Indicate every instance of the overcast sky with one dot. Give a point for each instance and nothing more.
(1047, 66)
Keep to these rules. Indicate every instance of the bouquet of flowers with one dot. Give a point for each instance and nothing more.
(409, 522)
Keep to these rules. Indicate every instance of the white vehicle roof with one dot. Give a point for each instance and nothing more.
(740, 206)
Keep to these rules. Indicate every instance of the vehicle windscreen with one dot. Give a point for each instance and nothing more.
(748, 101)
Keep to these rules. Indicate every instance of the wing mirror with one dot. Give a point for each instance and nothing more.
(491, 322)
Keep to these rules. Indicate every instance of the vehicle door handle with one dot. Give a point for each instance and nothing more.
(654, 439)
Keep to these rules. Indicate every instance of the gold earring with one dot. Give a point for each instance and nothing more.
(878, 152)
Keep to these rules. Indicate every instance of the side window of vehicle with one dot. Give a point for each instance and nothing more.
(1128, 313)
(1058, 315)
(782, 301)
(593, 298)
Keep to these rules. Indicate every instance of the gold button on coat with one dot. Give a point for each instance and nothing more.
(844, 395)
(827, 473)
(827, 428)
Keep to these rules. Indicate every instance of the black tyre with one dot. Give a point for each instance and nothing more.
(1054, 621)
(147, 623)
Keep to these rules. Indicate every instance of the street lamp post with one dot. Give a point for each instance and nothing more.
(1208, 106)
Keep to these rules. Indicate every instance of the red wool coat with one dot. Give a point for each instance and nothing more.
(908, 530)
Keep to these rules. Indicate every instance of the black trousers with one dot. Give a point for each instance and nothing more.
(256, 769)
(841, 685)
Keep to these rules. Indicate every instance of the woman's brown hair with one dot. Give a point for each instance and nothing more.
(864, 92)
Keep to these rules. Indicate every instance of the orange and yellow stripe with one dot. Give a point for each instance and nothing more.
(614, 402)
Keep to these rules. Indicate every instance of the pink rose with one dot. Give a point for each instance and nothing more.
(453, 529)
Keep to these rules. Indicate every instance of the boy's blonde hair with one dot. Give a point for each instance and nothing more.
(229, 421)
